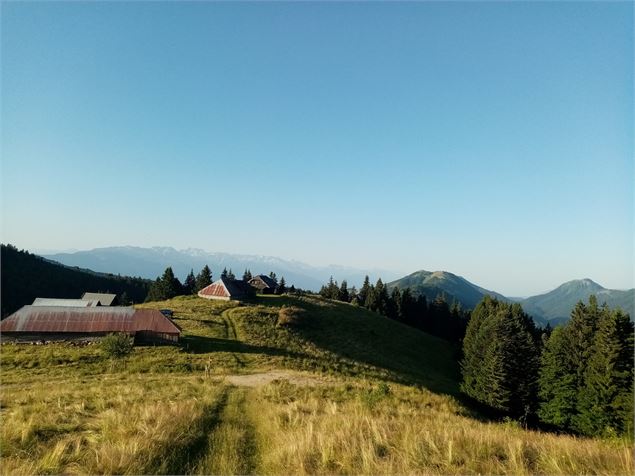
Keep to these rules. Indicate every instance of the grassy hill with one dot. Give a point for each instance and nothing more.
(293, 386)
(26, 276)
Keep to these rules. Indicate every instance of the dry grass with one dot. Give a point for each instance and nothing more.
(65, 410)
(113, 426)
(357, 430)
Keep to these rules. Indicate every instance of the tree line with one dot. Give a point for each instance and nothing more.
(438, 317)
(26, 276)
(578, 378)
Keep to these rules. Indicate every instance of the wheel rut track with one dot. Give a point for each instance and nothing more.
(230, 446)
(232, 334)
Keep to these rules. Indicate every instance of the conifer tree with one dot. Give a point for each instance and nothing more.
(273, 276)
(189, 285)
(282, 287)
(203, 279)
(342, 294)
(605, 404)
(500, 364)
(224, 273)
(230, 275)
(557, 381)
(247, 275)
(363, 292)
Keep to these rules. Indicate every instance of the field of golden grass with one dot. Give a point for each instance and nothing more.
(383, 400)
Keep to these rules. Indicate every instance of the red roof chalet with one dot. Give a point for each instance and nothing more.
(227, 289)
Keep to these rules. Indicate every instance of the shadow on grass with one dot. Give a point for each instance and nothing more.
(200, 344)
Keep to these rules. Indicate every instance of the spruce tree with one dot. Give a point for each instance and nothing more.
(247, 275)
(282, 287)
(500, 364)
(557, 381)
(363, 292)
(343, 292)
(189, 285)
(605, 404)
(203, 279)
(224, 273)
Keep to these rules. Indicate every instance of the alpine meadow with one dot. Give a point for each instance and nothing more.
(317, 238)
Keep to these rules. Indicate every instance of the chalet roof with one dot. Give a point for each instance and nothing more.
(225, 287)
(103, 298)
(64, 302)
(267, 280)
(87, 320)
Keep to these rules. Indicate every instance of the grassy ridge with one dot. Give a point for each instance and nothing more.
(383, 403)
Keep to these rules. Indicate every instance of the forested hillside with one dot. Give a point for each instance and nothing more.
(26, 276)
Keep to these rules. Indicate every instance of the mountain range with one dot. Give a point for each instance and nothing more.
(151, 262)
(553, 307)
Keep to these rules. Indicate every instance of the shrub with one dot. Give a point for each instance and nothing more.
(290, 316)
(117, 346)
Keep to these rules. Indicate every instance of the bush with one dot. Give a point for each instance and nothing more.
(117, 346)
(290, 316)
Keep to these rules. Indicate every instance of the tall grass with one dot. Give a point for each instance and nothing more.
(65, 409)
(124, 425)
(358, 430)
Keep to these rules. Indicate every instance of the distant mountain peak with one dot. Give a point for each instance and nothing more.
(586, 283)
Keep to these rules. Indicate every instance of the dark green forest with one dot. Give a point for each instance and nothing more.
(26, 276)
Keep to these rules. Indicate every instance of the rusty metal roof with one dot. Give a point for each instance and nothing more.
(217, 288)
(87, 320)
(225, 287)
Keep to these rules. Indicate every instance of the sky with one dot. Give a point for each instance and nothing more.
(492, 140)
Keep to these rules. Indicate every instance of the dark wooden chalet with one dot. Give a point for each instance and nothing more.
(263, 284)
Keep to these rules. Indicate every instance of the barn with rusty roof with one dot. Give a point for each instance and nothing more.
(31, 323)
(227, 289)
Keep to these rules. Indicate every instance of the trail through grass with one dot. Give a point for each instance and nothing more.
(231, 446)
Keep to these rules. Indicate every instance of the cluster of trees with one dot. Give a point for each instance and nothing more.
(26, 276)
(168, 285)
(437, 318)
(577, 378)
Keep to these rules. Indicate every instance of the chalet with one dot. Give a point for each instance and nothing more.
(103, 298)
(35, 323)
(263, 284)
(227, 289)
(65, 302)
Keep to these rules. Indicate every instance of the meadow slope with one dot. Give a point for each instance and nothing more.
(350, 393)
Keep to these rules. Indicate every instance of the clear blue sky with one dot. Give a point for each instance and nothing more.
(493, 140)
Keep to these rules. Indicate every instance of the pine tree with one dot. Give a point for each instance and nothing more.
(500, 364)
(557, 381)
(189, 285)
(342, 294)
(171, 285)
(605, 404)
(395, 307)
(247, 275)
(230, 275)
(273, 276)
(282, 287)
(224, 273)
(363, 292)
(203, 279)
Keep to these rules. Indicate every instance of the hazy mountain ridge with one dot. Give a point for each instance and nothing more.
(151, 262)
(555, 306)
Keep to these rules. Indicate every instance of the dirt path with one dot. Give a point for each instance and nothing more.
(263, 378)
